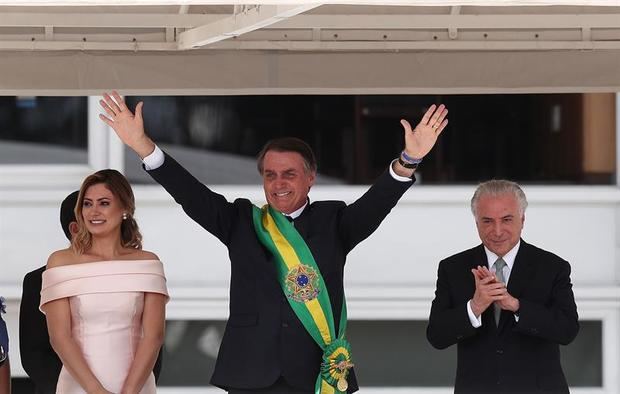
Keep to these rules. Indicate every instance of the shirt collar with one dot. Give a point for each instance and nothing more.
(295, 214)
(509, 257)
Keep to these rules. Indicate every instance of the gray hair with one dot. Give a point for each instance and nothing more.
(497, 187)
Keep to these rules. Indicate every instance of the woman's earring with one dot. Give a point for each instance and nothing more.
(124, 215)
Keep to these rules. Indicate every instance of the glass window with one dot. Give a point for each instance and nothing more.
(43, 130)
(582, 360)
(530, 138)
(191, 351)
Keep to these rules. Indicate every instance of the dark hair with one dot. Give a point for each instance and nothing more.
(119, 186)
(67, 212)
(288, 144)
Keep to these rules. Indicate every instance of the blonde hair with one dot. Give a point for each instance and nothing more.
(119, 186)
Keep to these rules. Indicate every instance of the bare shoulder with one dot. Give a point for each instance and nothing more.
(61, 257)
(141, 255)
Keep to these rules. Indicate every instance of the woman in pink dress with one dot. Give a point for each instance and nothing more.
(104, 297)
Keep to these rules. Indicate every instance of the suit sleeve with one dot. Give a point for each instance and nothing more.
(361, 218)
(448, 322)
(205, 207)
(556, 320)
(38, 358)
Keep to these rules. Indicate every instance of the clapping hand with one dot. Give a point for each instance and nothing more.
(496, 290)
(488, 290)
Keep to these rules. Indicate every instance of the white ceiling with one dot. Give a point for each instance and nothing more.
(201, 47)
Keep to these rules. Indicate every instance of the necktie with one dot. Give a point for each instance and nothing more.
(499, 274)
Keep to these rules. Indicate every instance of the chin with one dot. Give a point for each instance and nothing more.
(278, 207)
(497, 250)
(501, 252)
(97, 231)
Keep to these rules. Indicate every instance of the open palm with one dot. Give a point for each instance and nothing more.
(128, 126)
(419, 141)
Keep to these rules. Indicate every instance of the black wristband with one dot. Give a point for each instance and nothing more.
(411, 166)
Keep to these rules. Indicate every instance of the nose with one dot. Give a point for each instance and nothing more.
(497, 229)
(280, 182)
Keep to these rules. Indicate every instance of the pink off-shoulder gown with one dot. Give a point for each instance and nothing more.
(106, 300)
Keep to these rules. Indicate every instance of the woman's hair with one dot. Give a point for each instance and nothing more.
(118, 185)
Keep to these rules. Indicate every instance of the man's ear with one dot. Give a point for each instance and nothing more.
(73, 228)
(312, 178)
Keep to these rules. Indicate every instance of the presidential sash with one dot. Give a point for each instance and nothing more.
(305, 290)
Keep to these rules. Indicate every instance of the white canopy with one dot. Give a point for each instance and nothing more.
(78, 47)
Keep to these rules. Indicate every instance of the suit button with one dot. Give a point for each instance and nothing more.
(284, 325)
(499, 351)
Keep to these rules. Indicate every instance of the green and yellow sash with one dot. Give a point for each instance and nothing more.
(305, 290)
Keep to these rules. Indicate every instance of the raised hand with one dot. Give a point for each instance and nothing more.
(128, 127)
(419, 141)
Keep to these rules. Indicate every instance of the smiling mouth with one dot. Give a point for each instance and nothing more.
(282, 194)
(98, 221)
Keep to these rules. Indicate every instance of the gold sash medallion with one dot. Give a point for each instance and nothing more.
(302, 283)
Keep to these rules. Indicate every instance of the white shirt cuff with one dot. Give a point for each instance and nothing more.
(475, 322)
(396, 176)
(154, 160)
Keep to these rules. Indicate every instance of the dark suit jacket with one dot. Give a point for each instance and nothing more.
(514, 357)
(38, 358)
(264, 339)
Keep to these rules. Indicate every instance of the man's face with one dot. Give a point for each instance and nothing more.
(499, 222)
(286, 181)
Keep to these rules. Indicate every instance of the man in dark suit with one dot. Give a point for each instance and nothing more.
(39, 360)
(268, 345)
(506, 304)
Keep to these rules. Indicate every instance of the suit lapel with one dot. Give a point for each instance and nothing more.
(522, 271)
(480, 259)
(301, 223)
(521, 274)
